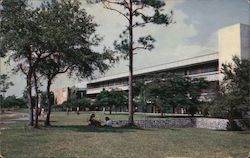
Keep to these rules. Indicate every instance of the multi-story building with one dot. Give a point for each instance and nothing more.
(201, 66)
(63, 94)
(232, 40)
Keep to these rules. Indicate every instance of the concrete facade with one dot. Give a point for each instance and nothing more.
(61, 95)
(234, 40)
(193, 67)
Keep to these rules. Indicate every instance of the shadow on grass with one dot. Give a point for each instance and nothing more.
(116, 114)
(86, 128)
(174, 116)
(42, 121)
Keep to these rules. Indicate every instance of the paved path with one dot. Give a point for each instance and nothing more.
(13, 117)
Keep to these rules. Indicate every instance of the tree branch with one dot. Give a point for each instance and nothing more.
(140, 24)
(139, 8)
(63, 71)
(143, 23)
(139, 48)
(109, 8)
(21, 68)
(124, 4)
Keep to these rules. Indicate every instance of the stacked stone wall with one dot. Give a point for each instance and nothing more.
(187, 122)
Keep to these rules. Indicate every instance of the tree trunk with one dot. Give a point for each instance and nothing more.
(29, 84)
(110, 110)
(144, 105)
(162, 114)
(173, 110)
(47, 121)
(130, 81)
(29, 97)
(36, 100)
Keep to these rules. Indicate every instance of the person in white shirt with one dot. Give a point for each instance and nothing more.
(108, 122)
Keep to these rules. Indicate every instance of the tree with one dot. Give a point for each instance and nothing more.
(19, 36)
(69, 36)
(43, 100)
(135, 14)
(11, 101)
(140, 93)
(55, 38)
(195, 92)
(233, 97)
(113, 98)
(121, 99)
(5, 84)
(167, 90)
(159, 93)
(77, 103)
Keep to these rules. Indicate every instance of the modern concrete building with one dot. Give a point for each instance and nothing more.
(232, 40)
(201, 66)
(63, 94)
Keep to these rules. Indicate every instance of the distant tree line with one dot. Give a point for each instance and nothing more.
(11, 102)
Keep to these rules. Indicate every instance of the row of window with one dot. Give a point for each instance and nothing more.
(212, 67)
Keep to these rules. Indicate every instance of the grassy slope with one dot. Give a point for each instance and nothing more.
(70, 137)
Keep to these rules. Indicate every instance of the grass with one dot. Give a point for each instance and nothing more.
(71, 137)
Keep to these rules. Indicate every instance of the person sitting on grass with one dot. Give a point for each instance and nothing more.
(93, 121)
(108, 122)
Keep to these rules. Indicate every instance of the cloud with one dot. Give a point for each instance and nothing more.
(171, 42)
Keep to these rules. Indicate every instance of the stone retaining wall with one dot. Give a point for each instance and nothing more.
(209, 123)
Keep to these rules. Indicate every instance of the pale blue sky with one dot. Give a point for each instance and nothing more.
(195, 30)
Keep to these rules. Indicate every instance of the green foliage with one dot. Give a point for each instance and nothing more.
(139, 88)
(74, 103)
(43, 100)
(4, 83)
(21, 37)
(19, 29)
(113, 98)
(12, 101)
(233, 98)
(57, 37)
(166, 90)
(69, 35)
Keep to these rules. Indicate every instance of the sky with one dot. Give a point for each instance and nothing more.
(193, 33)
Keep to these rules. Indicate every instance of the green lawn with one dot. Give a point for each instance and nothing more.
(71, 137)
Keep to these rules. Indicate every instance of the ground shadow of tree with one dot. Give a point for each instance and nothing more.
(86, 128)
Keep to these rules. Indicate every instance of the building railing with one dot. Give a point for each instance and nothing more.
(210, 76)
(99, 89)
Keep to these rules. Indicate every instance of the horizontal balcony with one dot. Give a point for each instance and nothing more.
(209, 76)
(122, 87)
(184, 63)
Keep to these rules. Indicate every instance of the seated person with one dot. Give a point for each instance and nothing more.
(108, 122)
(93, 121)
